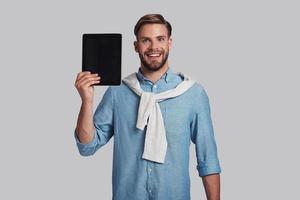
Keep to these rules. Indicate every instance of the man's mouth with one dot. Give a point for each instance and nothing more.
(153, 55)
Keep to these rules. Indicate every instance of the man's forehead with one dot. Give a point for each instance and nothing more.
(153, 30)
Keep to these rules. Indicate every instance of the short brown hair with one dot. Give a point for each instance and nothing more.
(152, 19)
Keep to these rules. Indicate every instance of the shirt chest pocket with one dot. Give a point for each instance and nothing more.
(176, 120)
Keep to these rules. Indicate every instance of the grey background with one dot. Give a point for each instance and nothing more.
(245, 54)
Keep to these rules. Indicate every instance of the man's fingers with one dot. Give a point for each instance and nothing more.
(86, 80)
(89, 83)
(80, 74)
(85, 76)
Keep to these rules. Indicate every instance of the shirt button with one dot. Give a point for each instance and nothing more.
(154, 86)
(149, 170)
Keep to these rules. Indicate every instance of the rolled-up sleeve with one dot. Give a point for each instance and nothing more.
(103, 123)
(203, 137)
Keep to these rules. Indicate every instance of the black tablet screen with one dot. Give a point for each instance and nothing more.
(102, 54)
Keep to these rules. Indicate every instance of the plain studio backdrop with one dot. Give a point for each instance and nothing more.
(244, 53)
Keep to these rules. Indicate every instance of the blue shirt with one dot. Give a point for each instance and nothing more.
(186, 118)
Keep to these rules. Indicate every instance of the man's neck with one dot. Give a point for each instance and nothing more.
(154, 76)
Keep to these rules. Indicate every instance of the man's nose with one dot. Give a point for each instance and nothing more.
(154, 45)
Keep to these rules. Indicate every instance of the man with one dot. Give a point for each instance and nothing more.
(138, 172)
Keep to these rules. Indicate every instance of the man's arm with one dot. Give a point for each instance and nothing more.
(84, 85)
(212, 186)
(206, 148)
(93, 131)
(85, 129)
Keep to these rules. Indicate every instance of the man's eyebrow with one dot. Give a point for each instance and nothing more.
(160, 36)
(144, 37)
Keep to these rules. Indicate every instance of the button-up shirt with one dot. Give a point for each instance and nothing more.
(187, 119)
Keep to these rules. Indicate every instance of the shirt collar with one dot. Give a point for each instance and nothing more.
(166, 76)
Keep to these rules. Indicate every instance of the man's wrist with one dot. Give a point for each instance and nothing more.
(87, 103)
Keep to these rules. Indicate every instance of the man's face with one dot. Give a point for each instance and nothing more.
(152, 45)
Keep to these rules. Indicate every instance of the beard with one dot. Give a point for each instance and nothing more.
(154, 65)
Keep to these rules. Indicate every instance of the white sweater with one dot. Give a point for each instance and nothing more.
(155, 147)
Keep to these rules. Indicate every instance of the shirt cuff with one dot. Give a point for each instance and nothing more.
(91, 144)
(211, 167)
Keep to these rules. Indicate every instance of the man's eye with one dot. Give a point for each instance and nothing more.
(145, 40)
(161, 39)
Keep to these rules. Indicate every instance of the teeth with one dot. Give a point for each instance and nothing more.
(154, 55)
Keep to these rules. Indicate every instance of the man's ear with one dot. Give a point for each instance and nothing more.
(135, 46)
(170, 43)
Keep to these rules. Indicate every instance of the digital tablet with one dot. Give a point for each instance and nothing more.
(101, 53)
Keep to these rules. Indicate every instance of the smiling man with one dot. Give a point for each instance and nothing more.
(154, 115)
(152, 45)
